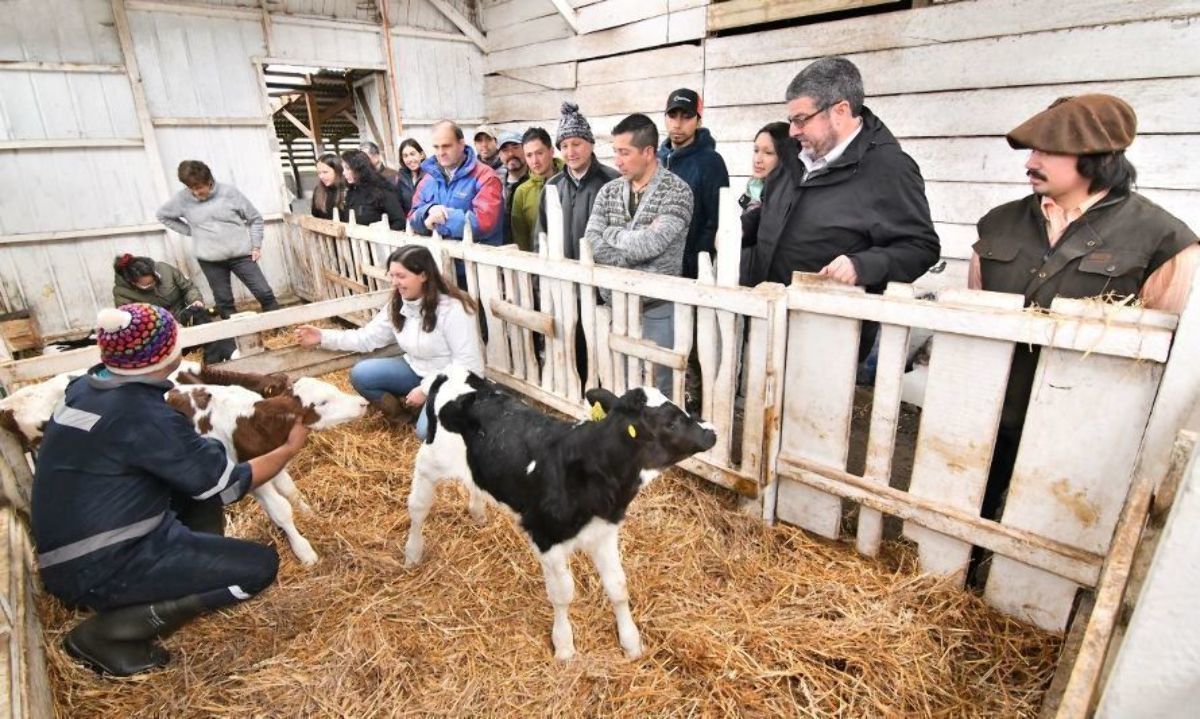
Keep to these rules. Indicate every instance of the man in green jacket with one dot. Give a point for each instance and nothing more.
(539, 155)
(141, 279)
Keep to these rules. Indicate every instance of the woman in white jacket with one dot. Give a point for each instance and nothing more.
(432, 321)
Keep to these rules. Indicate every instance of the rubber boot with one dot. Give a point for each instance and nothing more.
(121, 642)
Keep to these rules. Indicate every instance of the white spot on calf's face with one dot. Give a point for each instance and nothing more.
(532, 466)
(333, 406)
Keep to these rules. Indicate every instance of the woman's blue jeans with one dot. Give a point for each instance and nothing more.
(372, 377)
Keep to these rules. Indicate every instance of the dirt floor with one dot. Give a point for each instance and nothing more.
(737, 619)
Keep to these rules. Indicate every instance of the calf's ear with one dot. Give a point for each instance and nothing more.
(455, 415)
(599, 396)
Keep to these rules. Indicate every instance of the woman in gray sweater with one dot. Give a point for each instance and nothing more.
(227, 234)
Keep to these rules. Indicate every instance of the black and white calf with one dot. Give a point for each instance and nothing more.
(568, 484)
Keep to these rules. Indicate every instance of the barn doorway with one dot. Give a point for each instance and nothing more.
(323, 109)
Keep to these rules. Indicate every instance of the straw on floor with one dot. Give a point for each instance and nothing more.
(737, 619)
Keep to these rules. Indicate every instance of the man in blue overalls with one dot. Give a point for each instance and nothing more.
(117, 470)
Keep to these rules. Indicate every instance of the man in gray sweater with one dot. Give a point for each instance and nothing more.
(640, 221)
(227, 234)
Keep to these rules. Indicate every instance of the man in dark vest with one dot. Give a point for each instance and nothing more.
(1082, 233)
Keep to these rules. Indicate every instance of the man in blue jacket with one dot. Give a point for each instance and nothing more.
(458, 189)
(690, 152)
(117, 470)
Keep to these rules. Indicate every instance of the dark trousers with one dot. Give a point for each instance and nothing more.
(214, 352)
(251, 275)
(221, 570)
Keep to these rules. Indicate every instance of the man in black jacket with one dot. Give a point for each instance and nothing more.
(855, 209)
(579, 182)
(127, 502)
(691, 152)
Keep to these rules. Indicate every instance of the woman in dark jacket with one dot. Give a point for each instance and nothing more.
(141, 279)
(770, 145)
(370, 196)
(411, 174)
(330, 192)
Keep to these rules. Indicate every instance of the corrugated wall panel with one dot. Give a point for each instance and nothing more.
(198, 66)
(59, 105)
(51, 190)
(348, 47)
(59, 31)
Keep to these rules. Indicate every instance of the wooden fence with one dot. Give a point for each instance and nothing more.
(783, 399)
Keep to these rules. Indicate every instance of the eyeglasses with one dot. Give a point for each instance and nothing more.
(799, 121)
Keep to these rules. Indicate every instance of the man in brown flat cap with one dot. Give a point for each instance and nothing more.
(1082, 233)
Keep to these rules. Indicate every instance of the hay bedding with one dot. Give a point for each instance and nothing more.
(737, 619)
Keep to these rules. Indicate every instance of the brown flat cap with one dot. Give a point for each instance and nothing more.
(1079, 125)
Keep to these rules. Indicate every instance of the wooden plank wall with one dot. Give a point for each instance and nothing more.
(84, 181)
(949, 80)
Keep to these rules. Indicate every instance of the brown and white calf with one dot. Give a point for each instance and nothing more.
(25, 412)
(568, 484)
(250, 425)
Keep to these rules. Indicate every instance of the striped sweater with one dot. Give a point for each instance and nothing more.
(650, 240)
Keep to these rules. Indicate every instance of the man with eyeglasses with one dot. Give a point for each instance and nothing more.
(853, 208)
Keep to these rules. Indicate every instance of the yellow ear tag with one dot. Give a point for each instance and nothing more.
(597, 412)
(632, 432)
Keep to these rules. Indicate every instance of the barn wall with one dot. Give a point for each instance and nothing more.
(949, 81)
(66, 209)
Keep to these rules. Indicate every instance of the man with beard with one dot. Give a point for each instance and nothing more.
(513, 172)
(1083, 232)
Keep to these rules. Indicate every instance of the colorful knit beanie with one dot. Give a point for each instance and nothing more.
(572, 124)
(137, 338)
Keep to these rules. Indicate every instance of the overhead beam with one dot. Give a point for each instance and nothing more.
(207, 121)
(393, 78)
(299, 125)
(62, 67)
(461, 22)
(568, 13)
(70, 143)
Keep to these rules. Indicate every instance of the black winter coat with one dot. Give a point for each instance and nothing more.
(408, 187)
(704, 171)
(370, 204)
(577, 200)
(868, 205)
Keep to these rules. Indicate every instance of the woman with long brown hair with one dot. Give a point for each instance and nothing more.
(432, 321)
(330, 192)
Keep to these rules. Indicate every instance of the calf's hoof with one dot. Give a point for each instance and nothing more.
(412, 556)
(633, 652)
(565, 654)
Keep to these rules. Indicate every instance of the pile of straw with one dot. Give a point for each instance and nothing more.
(737, 619)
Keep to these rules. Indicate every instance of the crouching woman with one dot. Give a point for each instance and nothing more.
(429, 318)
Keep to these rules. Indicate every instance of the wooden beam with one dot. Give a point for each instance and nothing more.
(97, 68)
(158, 176)
(268, 34)
(461, 22)
(740, 13)
(1080, 695)
(353, 120)
(46, 366)
(370, 116)
(420, 32)
(1062, 559)
(648, 351)
(60, 235)
(568, 13)
(184, 8)
(327, 24)
(340, 106)
(70, 144)
(299, 125)
(541, 322)
(392, 76)
(314, 120)
(207, 122)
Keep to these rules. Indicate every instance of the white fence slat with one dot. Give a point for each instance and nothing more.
(885, 415)
(515, 332)
(620, 318)
(706, 338)
(497, 341)
(589, 320)
(960, 415)
(685, 327)
(1074, 467)
(821, 370)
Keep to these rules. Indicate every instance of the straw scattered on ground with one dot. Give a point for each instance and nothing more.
(737, 619)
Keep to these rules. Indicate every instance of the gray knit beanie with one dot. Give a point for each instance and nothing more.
(572, 124)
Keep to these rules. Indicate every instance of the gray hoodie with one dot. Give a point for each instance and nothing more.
(218, 225)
